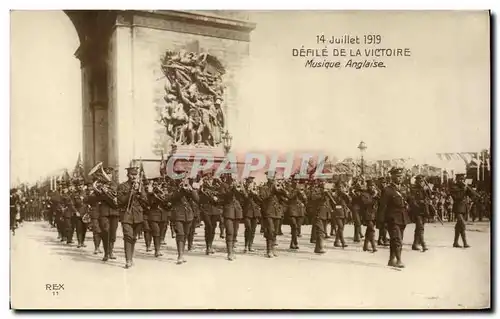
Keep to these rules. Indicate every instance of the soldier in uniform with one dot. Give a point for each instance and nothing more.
(295, 210)
(419, 210)
(157, 213)
(107, 205)
(182, 215)
(382, 227)
(196, 213)
(68, 211)
(322, 207)
(57, 209)
(341, 201)
(459, 193)
(209, 204)
(357, 203)
(369, 197)
(251, 211)
(93, 206)
(271, 213)
(393, 210)
(231, 193)
(131, 199)
(79, 200)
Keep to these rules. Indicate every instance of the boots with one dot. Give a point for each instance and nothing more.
(250, 243)
(356, 234)
(180, 252)
(111, 249)
(97, 243)
(128, 254)
(147, 240)
(319, 248)
(374, 247)
(365, 244)
(464, 238)
(273, 248)
(269, 244)
(399, 263)
(392, 256)
(230, 250)
(157, 244)
(105, 243)
(455, 241)
(246, 244)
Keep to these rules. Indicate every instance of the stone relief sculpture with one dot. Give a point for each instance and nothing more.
(193, 113)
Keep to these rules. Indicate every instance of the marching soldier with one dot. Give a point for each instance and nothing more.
(79, 200)
(341, 201)
(271, 213)
(382, 227)
(295, 210)
(393, 210)
(196, 213)
(209, 204)
(231, 193)
(321, 198)
(93, 209)
(157, 213)
(68, 212)
(369, 196)
(251, 211)
(419, 210)
(459, 194)
(131, 198)
(356, 210)
(182, 215)
(108, 212)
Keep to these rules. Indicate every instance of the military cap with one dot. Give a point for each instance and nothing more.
(109, 170)
(250, 178)
(460, 177)
(396, 171)
(419, 177)
(132, 170)
(78, 182)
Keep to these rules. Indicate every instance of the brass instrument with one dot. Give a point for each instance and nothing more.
(186, 186)
(99, 174)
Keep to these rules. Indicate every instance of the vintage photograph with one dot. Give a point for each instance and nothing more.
(215, 159)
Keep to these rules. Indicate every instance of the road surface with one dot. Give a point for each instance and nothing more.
(443, 277)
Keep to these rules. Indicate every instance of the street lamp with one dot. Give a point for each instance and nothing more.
(362, 147)
(227, 139)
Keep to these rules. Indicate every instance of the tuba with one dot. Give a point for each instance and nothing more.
(100, 184)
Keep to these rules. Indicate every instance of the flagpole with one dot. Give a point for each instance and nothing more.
(477, 164)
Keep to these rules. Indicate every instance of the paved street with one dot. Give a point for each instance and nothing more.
(443, 277)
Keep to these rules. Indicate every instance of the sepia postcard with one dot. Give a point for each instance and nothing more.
(215, 159)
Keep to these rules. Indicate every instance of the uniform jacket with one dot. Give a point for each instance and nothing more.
(459, 195)
(230, 199)
(181, 205)
(419, 205)
(271, 207)
(79, 199)
(367, 203)
(342, 202)
(393, 206)
(67, 204)
(252, 204)
(296, 202)
(157, 211)
(105, 205)
(208, 204)
(139, 201)
(321, 203)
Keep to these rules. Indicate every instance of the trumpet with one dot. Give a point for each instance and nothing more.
(105, 190)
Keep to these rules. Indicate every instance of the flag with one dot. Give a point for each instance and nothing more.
(78, 171)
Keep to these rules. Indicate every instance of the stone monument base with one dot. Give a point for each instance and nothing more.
(185, 155)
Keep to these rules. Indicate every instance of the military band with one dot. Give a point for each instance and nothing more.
(96, 203)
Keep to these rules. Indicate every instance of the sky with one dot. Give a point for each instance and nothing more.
(437, 100)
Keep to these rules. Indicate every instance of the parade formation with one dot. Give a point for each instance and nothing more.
(147, 207)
